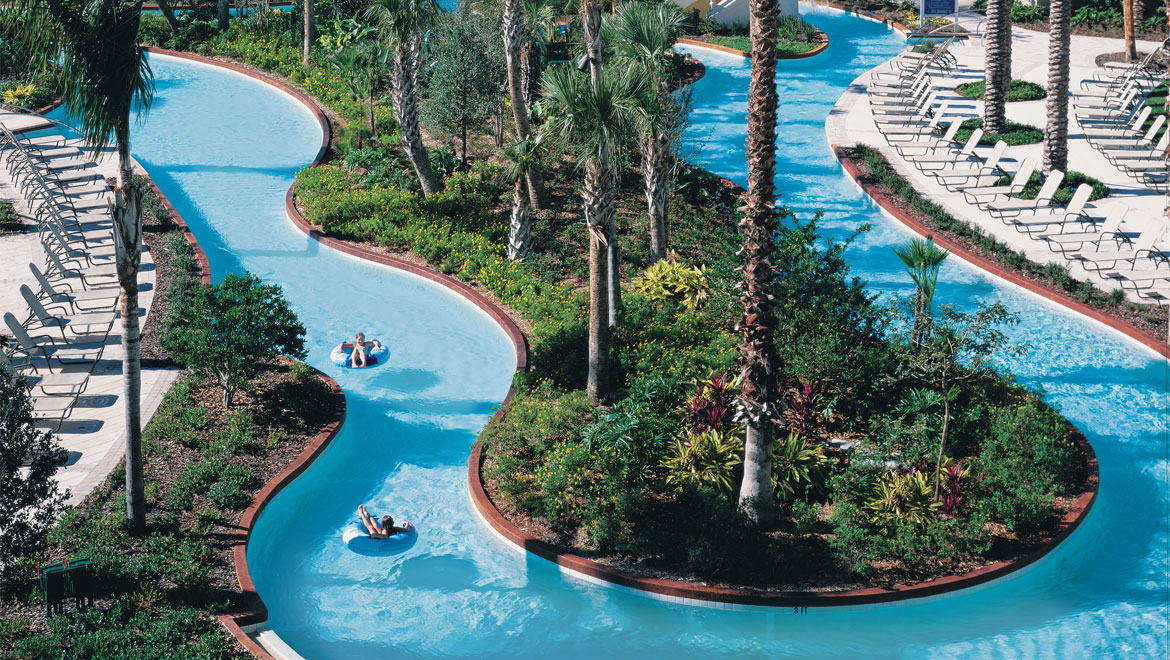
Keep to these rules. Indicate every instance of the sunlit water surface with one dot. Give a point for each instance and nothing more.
(225, 148)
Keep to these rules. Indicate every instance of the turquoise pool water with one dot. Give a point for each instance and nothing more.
(459, 592)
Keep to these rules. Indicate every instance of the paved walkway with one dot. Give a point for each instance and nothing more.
(94, 434)
(852, 123)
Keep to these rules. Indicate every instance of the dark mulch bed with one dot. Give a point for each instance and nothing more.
(154, 235)
(1148, 319)
(1119, 56)
(1109, 30)
(281, 405)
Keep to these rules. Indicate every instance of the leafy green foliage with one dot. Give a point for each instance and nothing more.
(797, 467)
(902, 498)
(709, 458)
(670, 280)
(29, 498)
(1014, 134)
(221, 332)
(1022, 464)
(1063, 194)
(1019, 90)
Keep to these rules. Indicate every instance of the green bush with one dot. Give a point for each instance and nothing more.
(231, 491)
(1024, 461)
(223, 331)
(1014, 134)
(852, 543)
(1019, 90)
(1064, 194)
(670, 280)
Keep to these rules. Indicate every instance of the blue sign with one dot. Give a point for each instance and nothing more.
(933, 8)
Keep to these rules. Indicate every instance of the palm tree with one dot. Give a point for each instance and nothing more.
(105, 75)
(998, 64)
(522, 156)
(402, 24)
(223, 11)
(310, 33)
(1056, 130)
(757, 354)
(923, 261)
(1127, 19)
(595, 116)
(540, 17)
(643, 33)
(513, 21)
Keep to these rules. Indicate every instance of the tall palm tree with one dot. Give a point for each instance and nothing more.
(595, 116)
(513, 22)
(923, 261)
(222, 13)
(402, 25)
(1056, 130)
(1127, 20)
(644, 33)
(758, 361)
(522, 156)
(591, 26)
(997, 64)
(310, 33)
(105, 76)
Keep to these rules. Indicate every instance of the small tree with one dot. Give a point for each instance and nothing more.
(961, 349)
(923, 261)
(465, 78)
(522, 157)
(223, 331)
(29, 498)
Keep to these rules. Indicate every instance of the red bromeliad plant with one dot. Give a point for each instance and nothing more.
(952, 497)
(710, 409)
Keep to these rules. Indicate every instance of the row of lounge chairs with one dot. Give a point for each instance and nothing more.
(58, 343)
(1113, 116)
(922, 129)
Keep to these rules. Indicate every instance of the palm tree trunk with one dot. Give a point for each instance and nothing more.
(164, 8)
(998, 64)
(512, 47)
(599, 209)
(757, 353)
(655, 171)
(406, 112)
(591, 25)
(1127, 19)
(520, 225)
(127, 212)
(310, 33)
(530, 72)
(1056, 131)
(222, 14)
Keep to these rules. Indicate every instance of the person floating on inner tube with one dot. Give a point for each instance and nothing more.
(386, 529)
(358, 358)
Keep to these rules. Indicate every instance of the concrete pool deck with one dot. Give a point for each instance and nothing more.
(94, 434)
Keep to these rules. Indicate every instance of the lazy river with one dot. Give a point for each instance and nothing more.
(224, 148)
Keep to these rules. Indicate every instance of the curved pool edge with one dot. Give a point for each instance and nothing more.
(236, 623)
(822, 41)
(687, 593)
(1010, 276)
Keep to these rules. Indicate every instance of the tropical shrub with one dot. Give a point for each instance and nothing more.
(797, 467)
(223, 331)
(1024, 462)
(1019, 90)
(29, 498)
(705, 459)
(670, 280)
(1014, 133)
(902, 497)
